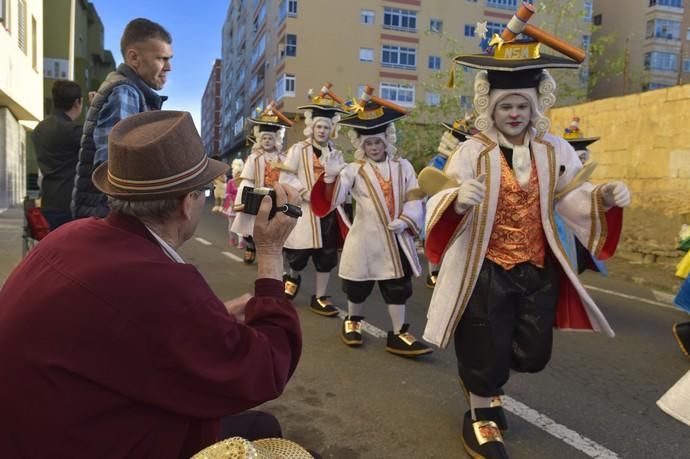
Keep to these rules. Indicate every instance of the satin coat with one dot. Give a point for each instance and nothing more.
(371, 249)
(298, 171)
(462, 240)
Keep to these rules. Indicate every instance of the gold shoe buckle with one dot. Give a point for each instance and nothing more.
(496, 401)
(290, 288)
(407, 338)
(324, 303)
(433, 278)
(486, 431)
(353, 326)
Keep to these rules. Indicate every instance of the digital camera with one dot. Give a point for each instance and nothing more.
(251, 200)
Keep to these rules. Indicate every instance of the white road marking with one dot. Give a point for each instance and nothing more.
(202, 241)
(630, 297)
(548, 425)
(232, 256)
(663, 296)
(545, 423)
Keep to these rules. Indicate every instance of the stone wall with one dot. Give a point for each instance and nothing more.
(645, 141)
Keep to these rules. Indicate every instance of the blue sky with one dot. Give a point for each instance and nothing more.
(196, 28)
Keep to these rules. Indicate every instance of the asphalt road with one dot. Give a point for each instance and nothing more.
(595, 399)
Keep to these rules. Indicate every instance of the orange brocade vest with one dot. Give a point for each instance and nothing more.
(517, 235)
(387, 188)
(271, 174)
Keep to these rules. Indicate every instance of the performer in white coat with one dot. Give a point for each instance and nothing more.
(261, 169)
(314, 237)
(389, 213)
(505, 280)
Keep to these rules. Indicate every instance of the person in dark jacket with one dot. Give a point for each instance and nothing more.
(147, 51)
(57, 139)
(112, 346)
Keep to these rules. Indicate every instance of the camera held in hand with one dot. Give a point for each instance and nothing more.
(251, 199)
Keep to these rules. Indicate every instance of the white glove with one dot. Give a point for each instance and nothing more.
(616, 194)
(470, 193)
(449, 143)
(332, 166)
(397, 226)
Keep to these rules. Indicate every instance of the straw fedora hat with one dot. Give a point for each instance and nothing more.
(155, 155)
(266, 448)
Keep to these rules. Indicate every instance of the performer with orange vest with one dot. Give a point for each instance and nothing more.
(505, 280)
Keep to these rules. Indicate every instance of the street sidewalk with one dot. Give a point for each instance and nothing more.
(11, 224)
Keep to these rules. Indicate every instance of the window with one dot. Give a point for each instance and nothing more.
(285, 86)
(366, 55)
(657, 60)
(360, 90)
(397, 19)
(503, 4)
(687, 34)
(291, 45)
(465, 102)
(652, 86)
(470, 30)
(292, 8)
(686, 65)
(585, 43)
(597, 19)
(367, 17)
(259, 49)
(34, 46)
(21, 25)
(584, 77)
(433, 99)
(669, 3)
(663, 28)
(399, 57)
(402, 94)
(434, 62)
(239, 126)
(436, 25)
(494, 28)
(587, 15)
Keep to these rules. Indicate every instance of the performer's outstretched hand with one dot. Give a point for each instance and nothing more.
(470, 193)
(332, 166)
(616, 194)
(397, 226)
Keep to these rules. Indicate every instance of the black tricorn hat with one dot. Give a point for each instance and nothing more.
(271, 120)
(372, 119)
(326, 104)
(582, 143)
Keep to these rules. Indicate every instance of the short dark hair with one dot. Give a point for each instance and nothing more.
(139, 30)
(65, 92)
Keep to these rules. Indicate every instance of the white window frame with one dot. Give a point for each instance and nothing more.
(502, 4)
(402, 16)
(472, 29)
(292, 8)
(435, 25)
(367, 17)
(22, 15)
(588, 10)
(285, 86)
(401, 94)
(289, 46)
(238, 127)
(433, 99)
(395, 57)
(366, 55)
(436, 59)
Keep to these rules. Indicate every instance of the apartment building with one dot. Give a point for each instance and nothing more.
(73, 47)
(210, 111)
(21, 91)
(279, 50)
(652, 38)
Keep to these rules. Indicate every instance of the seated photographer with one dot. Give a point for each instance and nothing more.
(112, 346)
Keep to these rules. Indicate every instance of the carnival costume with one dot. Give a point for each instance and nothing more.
(456, 133)
(314, 237)
(505, 280)
(261, 169)
(380, 244)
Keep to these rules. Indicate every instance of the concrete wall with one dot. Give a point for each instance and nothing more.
(645, 141)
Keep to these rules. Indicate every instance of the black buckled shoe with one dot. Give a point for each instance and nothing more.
(405, 344)
(682, 333)
(351, 332)
(291, 285)
(323, 306)
(482, 439)
(249, 256)
(431, 279)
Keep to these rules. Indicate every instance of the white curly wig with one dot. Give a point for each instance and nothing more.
(279, 136)
(541, 99)
(388, 137)
(310, 119)
(237, 166)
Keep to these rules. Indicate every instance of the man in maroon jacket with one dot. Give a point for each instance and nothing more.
(112, 346)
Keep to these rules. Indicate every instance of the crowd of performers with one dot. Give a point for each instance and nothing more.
(507, 213)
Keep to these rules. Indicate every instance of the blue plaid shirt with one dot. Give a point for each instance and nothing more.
(124, 101)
